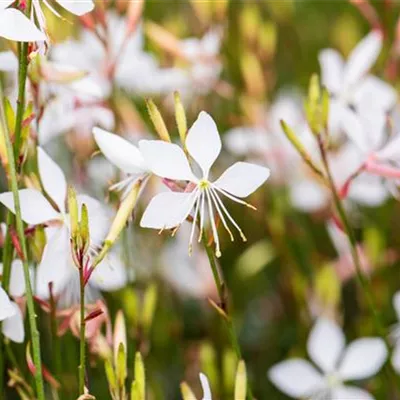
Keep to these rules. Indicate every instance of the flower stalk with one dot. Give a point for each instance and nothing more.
(224, 307)
(35, 336)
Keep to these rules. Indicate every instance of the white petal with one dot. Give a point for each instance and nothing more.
(6, 308)
(325, 344)
(56, 265)
(119, 151)
(350, 393)
(53, 179)
(17, 279)
(363, 358)
(376, 93)
(77, 7)
(296, 378)
(13, 327)
(35, 209)
(8, 61)
(362, 58)
(308, 195)
(396, 304)
(396, 357)
(166, 160)
(242, 178)
(331, 63)
(206, 387)
(110, 274)
(14, 25)
(352, 126)
(391, 151)
(203, 141)
(167, 210)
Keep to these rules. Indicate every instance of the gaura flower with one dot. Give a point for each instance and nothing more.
(57, 265)
(362, 359)
(124, 155)
(350, 86)
(14, 25)
(11, 317)
(168, 210)
(17, 278)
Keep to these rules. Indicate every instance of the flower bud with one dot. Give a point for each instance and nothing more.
(186, 392)
(84, 229)
(253, 75)
(241, 381)
(121, 367)
(73, 213)
(180, 118)
(119, 334)
(158, 121)
(149, 306)
(140, 376)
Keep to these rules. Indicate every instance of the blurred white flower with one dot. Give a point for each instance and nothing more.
(349, 84)
(12, 319)
(57, 265)
(124, 61)
(123, 155)
(362, 359)
(206, 387)
(168, 210)
(205, 66)
(15, 25)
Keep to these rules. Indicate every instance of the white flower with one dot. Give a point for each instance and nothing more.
(362, 359)
(124, 59)
(349, 84)
(17, 278)
(167, 160)
(11, 317)
(57, 265)
(14, 25)
(123, 155)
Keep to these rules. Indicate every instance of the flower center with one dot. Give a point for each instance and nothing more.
(333, 380)
(204, 184)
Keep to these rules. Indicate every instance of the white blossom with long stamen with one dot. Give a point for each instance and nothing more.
(168, 210)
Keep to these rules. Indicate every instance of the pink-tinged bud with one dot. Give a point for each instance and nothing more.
(119, 334)
(22, 5)
(87, 273)
(94, 314)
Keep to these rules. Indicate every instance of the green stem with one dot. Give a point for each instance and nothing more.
(21, 237)
(223, 304)
(82, 347)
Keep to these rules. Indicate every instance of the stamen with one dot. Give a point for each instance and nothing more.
(220, 202)
(234, 198)
(202, 211)
(196, 211)
(221, 215)
(213, 227)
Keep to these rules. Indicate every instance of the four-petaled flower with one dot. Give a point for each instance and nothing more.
(167, 160)
(362, 359)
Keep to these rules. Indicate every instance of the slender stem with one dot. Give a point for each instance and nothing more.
(223, 304)
(22, 75)
(54, 335)
(82, 348)
(35, 337)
